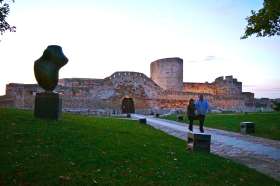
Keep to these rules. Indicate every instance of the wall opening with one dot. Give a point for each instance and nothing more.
(128, 105)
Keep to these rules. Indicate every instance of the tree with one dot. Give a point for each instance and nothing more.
(265, 22)
(4, 12)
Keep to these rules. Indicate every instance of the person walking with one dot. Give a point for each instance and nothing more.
(201, 107)
(191, 113)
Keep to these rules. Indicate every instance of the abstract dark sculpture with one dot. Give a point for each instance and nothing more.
(48, 105)
(46, 68)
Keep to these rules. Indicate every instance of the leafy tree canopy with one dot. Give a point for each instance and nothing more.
(265, 22)
(4, 11)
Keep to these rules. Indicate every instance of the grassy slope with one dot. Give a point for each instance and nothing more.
(267, 124)
(106, 151)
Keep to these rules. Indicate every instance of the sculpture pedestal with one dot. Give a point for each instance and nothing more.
(48, 105)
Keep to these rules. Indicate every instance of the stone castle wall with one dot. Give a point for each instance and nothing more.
(108, 95)
(206, 88)
(23, 95)
(7, 101)
(228, 86)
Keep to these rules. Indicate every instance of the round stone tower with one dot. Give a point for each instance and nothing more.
(168, 73)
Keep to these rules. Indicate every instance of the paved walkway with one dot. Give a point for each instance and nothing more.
(258, 153)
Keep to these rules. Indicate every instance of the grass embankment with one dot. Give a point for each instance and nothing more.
(267, 125)
(86, 151)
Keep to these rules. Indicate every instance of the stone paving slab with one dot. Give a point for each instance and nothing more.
(255, 152)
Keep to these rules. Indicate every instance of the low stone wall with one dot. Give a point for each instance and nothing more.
(6, 102)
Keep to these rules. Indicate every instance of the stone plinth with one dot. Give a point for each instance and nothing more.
(48, 105)
(198, 142)
(142, 120)
(247, 127)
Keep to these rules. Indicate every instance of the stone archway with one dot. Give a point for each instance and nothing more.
(128, 105)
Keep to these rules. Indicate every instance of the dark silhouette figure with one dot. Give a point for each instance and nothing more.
(48, 104)
(46, 68)
(191, 113)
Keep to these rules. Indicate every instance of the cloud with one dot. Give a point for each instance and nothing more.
(204, 59)
(210, 58)
(264, 88)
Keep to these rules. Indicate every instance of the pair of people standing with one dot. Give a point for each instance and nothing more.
(200, 107)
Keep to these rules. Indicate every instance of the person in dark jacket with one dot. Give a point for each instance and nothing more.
(191, 113)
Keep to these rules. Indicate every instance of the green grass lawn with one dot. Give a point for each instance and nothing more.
(267, 124)
(81, 150)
